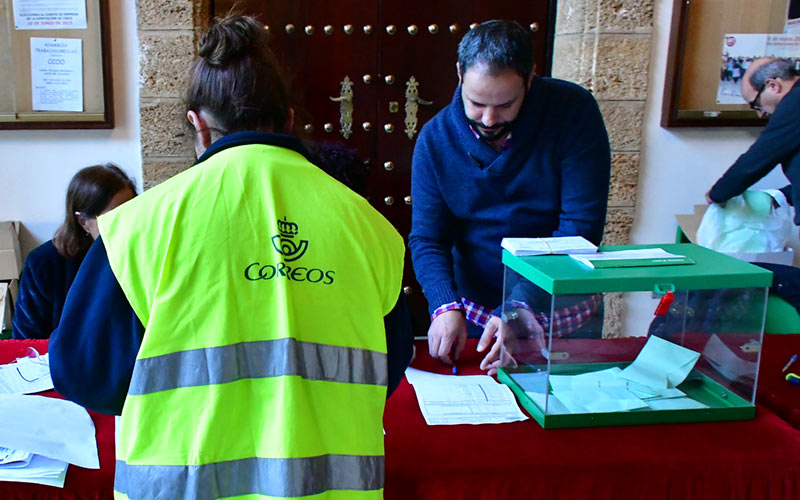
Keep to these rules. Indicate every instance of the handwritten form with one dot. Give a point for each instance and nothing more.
(466, 399)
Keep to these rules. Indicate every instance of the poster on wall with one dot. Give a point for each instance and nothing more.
(739, 50)
(49, 14)
(57, 74)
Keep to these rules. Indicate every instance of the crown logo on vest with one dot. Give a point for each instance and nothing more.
(284, 242)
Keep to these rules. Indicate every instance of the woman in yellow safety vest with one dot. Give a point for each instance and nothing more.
(242, 316)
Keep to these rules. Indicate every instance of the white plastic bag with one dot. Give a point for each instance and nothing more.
(748, 223)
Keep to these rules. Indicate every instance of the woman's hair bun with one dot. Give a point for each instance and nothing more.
(230, 37)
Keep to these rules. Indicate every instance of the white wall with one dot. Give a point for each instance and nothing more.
(678, 166)
(36, 166)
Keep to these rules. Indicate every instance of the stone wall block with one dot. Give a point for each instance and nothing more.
(156, 171)
(573, 16)
(625, 16)
(624, 121)
(572, 59)
(164, 132)
(618, 226)
(620, 71)
(624, 179)
(165, 14)
(165, 58)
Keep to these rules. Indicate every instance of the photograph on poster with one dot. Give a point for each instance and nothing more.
(793, 17)
(739, 50)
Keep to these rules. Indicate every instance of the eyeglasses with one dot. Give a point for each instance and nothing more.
(755, 104)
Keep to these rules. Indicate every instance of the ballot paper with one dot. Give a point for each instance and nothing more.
(726, 362)
(594, 392)
(661, 364)
(26, 376)
(53, 428)
(548, 246)
(465, 399)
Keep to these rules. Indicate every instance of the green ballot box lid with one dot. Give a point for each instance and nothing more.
(561, 274)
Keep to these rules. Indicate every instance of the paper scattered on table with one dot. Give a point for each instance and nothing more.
(463, 399)
(51, 427)
(26, 376)
(33, 469)
(547, 246)
(726, 362)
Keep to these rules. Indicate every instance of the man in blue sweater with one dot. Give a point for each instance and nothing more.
(513, 154)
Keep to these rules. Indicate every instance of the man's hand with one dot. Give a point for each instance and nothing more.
(523, 326)
(710, 201)
(500, 353)
(448, 332)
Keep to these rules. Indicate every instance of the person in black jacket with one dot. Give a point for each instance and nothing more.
(770, 86)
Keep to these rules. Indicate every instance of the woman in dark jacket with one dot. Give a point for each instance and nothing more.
(51, 267)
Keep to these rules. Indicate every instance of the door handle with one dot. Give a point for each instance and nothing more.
(345, 101)
(413, 101)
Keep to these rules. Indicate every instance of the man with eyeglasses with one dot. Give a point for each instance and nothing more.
(770, 87)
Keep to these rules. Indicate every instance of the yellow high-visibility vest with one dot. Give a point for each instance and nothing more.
(262, 284)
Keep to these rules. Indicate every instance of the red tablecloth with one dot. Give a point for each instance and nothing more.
(81, 484)
(753, 459)
(774, 391)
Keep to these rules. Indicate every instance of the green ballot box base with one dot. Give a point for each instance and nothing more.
(722, 404)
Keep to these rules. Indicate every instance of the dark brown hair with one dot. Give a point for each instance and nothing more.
(89, 193)
(236, 78)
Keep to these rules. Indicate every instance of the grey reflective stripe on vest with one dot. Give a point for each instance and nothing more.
(267, 358)
(289, 477)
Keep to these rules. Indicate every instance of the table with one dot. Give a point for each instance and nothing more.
(752, 459)
(94, 484)
(774, 391)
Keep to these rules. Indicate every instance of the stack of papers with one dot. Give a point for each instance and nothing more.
(549, 246)
(632, 258)
(467, 399)
(40, 436)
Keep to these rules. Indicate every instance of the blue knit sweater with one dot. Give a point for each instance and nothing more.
(43, 289)
(552, 180)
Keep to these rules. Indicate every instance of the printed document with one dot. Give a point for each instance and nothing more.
(26, 376)
(661, 364)
(463, 399)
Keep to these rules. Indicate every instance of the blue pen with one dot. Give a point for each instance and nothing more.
(791, 361)
(455, 370)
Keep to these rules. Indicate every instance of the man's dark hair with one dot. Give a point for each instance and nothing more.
(776, 68)
(499, 45)
(343, 164)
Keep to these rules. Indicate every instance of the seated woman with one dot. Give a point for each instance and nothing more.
(51, 267)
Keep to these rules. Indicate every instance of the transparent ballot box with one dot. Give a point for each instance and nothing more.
(645, 342)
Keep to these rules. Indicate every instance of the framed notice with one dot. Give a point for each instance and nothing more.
(709, 50)
(59, 60)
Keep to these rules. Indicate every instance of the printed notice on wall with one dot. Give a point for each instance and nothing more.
(57, 74)
(49, 14)
(739, 50)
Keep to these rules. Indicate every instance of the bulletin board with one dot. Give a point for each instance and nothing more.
(56, 65)
(695, 58)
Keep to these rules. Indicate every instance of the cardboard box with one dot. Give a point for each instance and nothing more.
(689, 223)
(10, 255)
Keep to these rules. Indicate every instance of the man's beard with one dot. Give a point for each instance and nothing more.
(494, 133)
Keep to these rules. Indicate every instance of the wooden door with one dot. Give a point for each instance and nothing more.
(387, 49)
